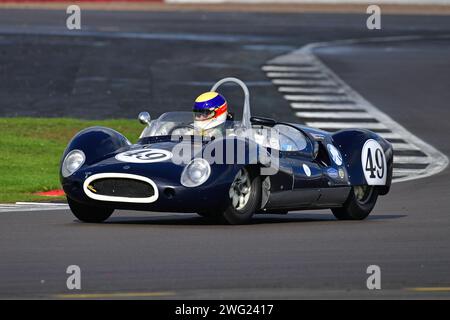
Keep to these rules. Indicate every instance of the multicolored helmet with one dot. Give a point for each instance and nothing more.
(210, 110)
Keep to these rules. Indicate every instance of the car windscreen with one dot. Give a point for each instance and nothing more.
(167, 123)
(179, 123)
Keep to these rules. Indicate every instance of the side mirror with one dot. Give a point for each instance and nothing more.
(267, 122)
(144, 118)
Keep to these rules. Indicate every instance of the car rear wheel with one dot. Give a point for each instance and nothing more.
(244, 197)
(89, 214)
(361, 201)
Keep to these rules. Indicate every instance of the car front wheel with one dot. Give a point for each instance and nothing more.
(244, 197)
(89, 214)
(361, 201)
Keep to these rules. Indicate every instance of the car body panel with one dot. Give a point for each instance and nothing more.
(301, 181)
(320, 174)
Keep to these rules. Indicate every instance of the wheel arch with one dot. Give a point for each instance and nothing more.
(350, 143)
(96, 142)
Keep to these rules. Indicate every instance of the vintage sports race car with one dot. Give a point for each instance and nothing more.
(345, 171)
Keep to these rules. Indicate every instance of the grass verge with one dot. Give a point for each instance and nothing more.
(31, 149)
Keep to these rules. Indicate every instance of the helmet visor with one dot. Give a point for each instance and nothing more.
(204, 114)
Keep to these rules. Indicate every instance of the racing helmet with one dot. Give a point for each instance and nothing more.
(210, 110)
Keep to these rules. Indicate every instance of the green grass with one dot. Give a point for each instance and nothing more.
(31, 149)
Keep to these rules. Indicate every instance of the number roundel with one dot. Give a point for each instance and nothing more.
(144, 155)
(373, 163)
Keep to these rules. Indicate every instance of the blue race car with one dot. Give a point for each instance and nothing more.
(256, 165)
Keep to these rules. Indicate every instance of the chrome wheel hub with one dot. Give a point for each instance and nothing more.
(363, 193)
(240, 190)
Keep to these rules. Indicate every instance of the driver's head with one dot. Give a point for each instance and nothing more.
(210, 110)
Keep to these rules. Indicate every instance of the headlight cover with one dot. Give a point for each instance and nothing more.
(72, 162)
(195, 173)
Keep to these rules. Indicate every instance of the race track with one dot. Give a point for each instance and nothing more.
(122, 63)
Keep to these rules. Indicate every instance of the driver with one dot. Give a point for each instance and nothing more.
(210, 114)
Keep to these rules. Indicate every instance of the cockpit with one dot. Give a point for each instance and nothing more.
(277, 136)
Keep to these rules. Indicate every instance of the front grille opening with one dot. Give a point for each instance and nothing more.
(120, 187)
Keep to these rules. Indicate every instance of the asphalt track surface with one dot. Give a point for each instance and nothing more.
(301, 255)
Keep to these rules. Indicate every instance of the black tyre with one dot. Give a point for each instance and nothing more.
(244, 198)
(89, 213)
(361, 201)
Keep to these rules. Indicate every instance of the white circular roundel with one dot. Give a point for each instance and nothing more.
(335, 154)
(144, 155)
(373, 163)
(307, 170)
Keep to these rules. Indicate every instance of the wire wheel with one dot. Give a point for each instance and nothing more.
(240, 189)
(359, 204)
(363, 193)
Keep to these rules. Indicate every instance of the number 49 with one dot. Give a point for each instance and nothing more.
(376, 168)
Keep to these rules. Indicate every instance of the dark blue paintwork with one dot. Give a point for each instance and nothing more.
(350, 143)
(327, 185)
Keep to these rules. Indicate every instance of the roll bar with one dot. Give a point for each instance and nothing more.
(246, 115)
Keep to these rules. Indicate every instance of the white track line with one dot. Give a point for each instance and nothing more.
(401, 171)
(32, 206)
(347, 125)
(296, 82)
(290, 68)
(404, 146)
(323, 106)
(312, 90)
(389, 135)
(415, 160)
(295, 75)
(334, 115)
(436, 160)
(318, 98)
(48, 204)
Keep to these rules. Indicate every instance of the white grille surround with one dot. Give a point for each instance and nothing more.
(100, 197)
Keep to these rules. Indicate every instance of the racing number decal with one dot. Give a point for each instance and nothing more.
(144, 156)
(378, 167)
(373, 163)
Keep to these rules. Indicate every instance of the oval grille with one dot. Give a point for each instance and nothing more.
(120, 187)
